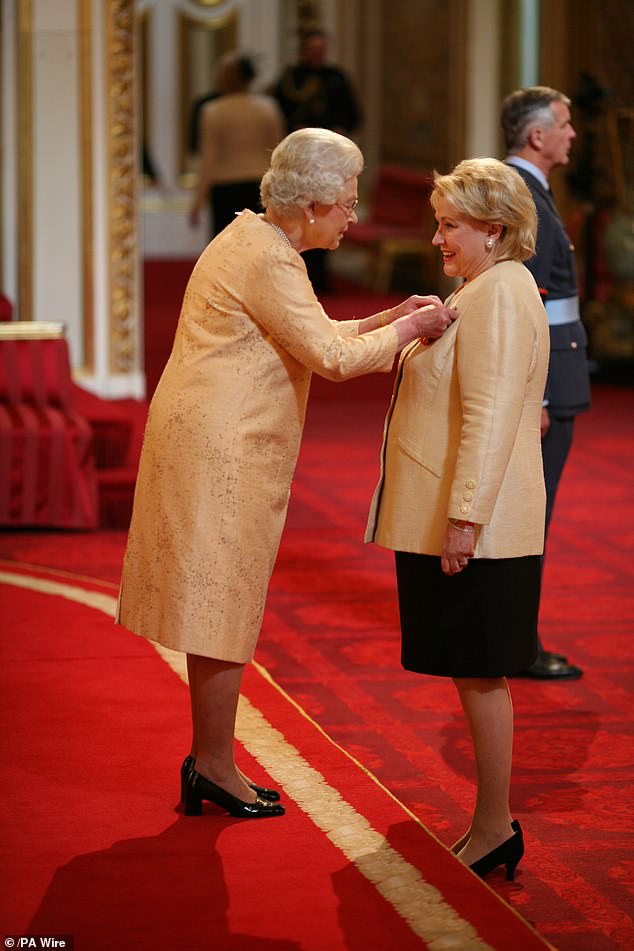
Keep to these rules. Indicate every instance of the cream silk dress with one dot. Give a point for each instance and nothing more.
(222, 440)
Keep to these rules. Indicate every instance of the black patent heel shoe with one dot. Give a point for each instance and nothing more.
(188, 764)
(460, 844)
(509, 854)
(271, 795)
(197, 789)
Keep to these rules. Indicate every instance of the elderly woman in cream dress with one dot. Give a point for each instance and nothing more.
(223, 435)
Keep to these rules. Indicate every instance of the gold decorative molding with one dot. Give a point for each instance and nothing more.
(24, 64)
(32, 330)
(123, 155)
(86, 140)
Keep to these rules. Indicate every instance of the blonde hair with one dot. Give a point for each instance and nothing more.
(491, 192)
(309, 165)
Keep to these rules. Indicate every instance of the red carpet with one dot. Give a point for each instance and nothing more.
(98, 851)
(95, 847)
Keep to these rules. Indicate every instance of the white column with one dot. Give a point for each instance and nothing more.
(529, 42)
(483, 78)
(260, 33)
(57, 278)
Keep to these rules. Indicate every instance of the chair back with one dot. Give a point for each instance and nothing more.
(401, 196)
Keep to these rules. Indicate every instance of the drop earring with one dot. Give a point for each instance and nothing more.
(311, 221)
(489, 243)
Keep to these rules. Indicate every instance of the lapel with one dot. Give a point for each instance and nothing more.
(536, 186)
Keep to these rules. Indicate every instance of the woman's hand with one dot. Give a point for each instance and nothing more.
(435, 318)
(429, 321)
(415, 302)
(457, 549)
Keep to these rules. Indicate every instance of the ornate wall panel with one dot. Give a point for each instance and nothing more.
(422, 96)
(600, 80)
(598, 40)
(122, 182)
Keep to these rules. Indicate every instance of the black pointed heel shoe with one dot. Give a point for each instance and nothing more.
(198, 788)
(271, 795)
(509, 854)
(188, 764)
(460, 844)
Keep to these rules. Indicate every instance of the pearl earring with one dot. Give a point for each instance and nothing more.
(311, 221)
(490, 243)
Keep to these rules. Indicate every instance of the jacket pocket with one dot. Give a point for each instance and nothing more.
(416, 456)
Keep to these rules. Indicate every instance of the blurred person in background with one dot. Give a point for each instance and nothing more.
(314, 92)
(238, 131)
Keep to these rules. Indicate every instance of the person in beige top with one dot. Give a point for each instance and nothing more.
(238, 131)
(223, 434)
(461, 498)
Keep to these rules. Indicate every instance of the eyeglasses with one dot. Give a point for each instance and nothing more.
(349, 208)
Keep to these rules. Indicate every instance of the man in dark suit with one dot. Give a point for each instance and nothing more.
(539, 134)
(314, 92)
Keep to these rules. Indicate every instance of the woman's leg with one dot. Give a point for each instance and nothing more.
(191, 658)
(214, 687)
(487, 706)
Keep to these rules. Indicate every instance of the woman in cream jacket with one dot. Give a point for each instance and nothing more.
(461, 498)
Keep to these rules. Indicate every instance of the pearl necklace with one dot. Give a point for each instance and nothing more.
(281, 233)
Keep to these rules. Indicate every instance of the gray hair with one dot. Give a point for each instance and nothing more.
(526, 108)
(309, 165)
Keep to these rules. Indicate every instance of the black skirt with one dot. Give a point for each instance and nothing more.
(481, 622)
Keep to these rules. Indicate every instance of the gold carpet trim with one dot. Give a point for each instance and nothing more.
(420, 904)
(264, 673)
(91, 599)
(27, 566)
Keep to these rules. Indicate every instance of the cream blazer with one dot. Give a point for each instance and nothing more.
(462, 435)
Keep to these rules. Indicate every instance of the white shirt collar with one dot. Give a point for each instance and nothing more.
(528, 167)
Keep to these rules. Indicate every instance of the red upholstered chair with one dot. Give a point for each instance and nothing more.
(400, 222)
(6, 310)
(47, 473)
